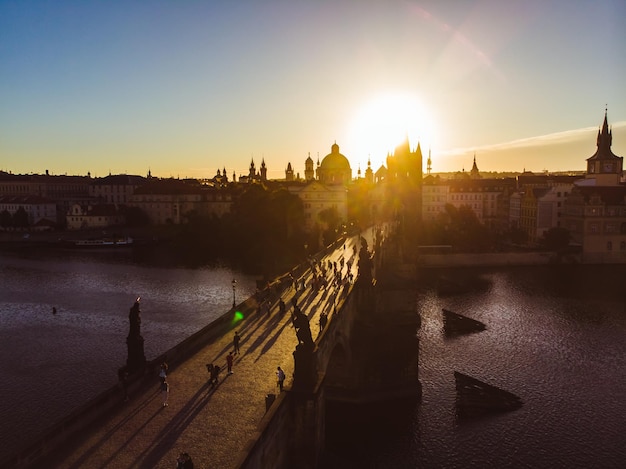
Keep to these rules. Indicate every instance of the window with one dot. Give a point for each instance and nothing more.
(609, 245)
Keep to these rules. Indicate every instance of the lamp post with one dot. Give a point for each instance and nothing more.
(234, 283)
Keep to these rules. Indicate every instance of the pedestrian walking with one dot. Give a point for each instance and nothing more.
(215, 375)
(323, 321)
(184, 461)
(280, 376)
(163, 370)
(229, 362)
(165, 392)
(236, 340)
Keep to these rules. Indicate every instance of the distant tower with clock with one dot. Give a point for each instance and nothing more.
(594, 212)
(604, 166)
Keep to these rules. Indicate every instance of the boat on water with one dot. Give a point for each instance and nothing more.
(455, 324)
(103, 242)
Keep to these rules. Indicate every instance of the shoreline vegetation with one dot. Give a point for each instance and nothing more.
(163, 246)
(176, 246)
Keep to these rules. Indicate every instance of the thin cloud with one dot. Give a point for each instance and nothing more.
(557, 138)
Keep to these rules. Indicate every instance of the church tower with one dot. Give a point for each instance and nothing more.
(369, 174)
(289, 173)
(474, 174)
(263, 170)
(405, 165)
(604, 166)
(309, 173)
(404, 174)
(252, 172)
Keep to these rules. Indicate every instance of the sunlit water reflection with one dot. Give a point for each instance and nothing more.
(50, 364)
(556, 337)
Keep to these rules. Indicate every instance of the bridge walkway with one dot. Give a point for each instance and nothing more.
(212, 425)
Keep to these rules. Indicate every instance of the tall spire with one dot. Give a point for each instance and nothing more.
(604, 140)
(418, 150)
(474, 172)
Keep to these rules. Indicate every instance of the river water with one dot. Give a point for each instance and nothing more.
(556, 337)
(51, 364)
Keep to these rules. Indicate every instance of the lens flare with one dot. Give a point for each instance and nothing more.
(237, 317)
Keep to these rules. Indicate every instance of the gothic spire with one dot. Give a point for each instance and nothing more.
(604, 140)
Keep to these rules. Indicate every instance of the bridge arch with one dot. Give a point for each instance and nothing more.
(338, 365)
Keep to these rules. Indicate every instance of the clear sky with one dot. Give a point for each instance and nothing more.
(184, 88)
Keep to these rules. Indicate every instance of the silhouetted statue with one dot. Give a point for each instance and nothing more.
(136, 358)
(305, 367)
(365, 265)
(134, 317)
(303, 330)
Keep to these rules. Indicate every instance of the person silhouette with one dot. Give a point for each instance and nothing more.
(280, 376)
(236, 341)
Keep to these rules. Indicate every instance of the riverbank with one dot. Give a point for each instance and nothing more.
(488, 259)
(53, 238)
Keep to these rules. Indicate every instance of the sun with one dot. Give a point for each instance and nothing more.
(384, 122)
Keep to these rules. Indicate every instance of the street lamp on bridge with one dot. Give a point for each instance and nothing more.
(234, 283)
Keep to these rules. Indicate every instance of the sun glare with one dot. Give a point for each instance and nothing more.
(384, 122)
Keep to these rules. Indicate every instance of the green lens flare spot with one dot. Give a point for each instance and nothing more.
(238, 316)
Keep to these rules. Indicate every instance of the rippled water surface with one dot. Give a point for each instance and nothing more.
(50, 364)
(556, 337)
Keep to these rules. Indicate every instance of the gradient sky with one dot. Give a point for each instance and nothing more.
(186, 87)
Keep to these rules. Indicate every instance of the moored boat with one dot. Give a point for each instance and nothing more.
(103, 242)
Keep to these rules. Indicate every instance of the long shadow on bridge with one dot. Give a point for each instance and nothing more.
(165, 440)
(149, 399)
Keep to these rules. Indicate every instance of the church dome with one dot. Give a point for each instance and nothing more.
(335, 161)
(335, 168)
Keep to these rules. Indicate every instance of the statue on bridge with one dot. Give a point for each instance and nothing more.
(136, 358)
(304, 372)
(303, 329)
(134, 318)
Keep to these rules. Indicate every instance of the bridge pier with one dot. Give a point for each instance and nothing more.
(366, 354)
(309, 427)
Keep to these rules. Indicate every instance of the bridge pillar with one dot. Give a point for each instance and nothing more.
(309, 415)
(305, 366)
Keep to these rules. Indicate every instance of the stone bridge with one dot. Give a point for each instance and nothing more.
(366, 352)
